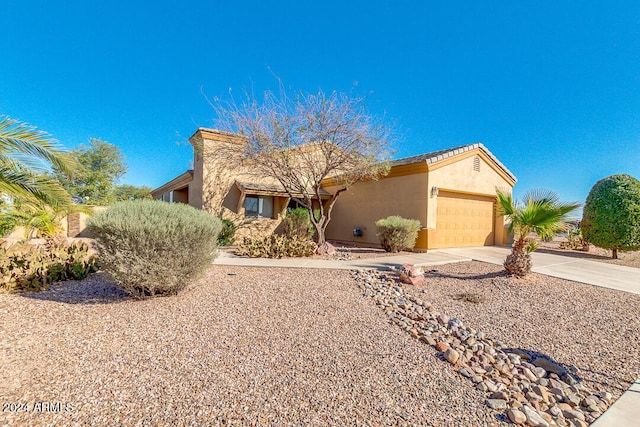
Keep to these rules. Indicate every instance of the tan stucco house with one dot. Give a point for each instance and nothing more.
(451, 192)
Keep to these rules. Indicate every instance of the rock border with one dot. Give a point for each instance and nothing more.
(532, 391)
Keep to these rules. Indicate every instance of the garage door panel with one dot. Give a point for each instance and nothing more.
(464, 220)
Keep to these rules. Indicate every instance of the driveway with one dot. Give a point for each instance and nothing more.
(580, 270)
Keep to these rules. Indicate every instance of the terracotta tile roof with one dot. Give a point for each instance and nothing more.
(437, 156)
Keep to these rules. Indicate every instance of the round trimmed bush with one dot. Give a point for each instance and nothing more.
(611, 215)
(397, 233)
(152, 248)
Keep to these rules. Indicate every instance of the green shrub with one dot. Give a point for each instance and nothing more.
(276, 246)
(611, 216)
(397, 233)
(227, 233)
(7, 225)
(574, 239)
(155, 248)
(26, 268)
(297, 224)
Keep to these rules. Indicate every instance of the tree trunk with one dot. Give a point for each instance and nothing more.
(614, 253)
(320, 234)
(518, 262)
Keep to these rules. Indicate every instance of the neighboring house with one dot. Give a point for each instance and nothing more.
(451, 192)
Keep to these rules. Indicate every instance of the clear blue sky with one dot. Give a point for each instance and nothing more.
(551, 88)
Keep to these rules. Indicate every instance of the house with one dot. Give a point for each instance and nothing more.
(451, 192)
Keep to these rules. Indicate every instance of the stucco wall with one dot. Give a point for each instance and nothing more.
(195, 186)
(406, 191)
(366, 202)
(216, 171)
(460, 176)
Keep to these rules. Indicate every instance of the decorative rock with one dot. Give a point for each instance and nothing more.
(536, 393)
(530, 375)
(573, 400)
(573, 414)
(464, 372)
(541, 391)
(503, 395)
(516, 416)
(412, 270)
(540, 372)
(533, 418)
(326, 249)
(548, 365)
(428, 340)
(454, 323)
(569, 379)
(442, 346)
(451, 356)
(605, 395)
(555, 411)
(497, 404)
(417, 281)
(443, 319)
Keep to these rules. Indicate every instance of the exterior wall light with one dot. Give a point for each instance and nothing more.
(434, 191)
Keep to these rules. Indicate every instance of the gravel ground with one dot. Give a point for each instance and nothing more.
(595, 331)
(254, 346)
(260, 347)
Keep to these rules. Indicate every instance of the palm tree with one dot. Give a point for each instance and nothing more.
(541, 213)
(25, 155)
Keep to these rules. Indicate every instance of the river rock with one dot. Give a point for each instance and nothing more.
(451, 356)
(533, 418)
(516, 416)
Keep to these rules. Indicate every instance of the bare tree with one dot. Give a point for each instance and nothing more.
(307, 140)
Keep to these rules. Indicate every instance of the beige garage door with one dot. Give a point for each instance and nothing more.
(464, 220)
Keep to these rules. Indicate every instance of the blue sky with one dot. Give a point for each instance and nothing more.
(551, 88)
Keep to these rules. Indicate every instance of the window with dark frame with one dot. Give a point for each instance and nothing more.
(258, 206)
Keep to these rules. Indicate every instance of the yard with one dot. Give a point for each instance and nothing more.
(255, 346)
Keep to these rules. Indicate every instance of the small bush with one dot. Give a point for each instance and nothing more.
(26, 268)
(227, 233)
(574, 239)
(155, 248)
(276, 246)
(297, 224)
(397, 233)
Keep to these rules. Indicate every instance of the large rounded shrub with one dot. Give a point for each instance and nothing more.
(155, 248)
(611, 216)
(397, 233)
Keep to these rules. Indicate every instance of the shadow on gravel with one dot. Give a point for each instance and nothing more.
(467, 276)
(607, 381)
(95, 289)
(571, 254)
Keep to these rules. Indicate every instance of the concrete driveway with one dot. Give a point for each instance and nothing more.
(565, 267)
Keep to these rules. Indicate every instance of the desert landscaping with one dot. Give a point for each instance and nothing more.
(247, 346)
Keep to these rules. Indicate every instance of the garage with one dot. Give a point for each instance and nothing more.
(464, 220)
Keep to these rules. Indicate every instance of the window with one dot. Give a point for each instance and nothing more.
(258, 206)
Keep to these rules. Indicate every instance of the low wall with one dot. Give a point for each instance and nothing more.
(73, 225)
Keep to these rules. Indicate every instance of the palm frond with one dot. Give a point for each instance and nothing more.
(26, 184)
(17, 137)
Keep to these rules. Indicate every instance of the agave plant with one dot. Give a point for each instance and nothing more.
(540, 213)
(25, 156)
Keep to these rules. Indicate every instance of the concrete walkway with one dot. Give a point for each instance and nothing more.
(624, 412)
(381, 263)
